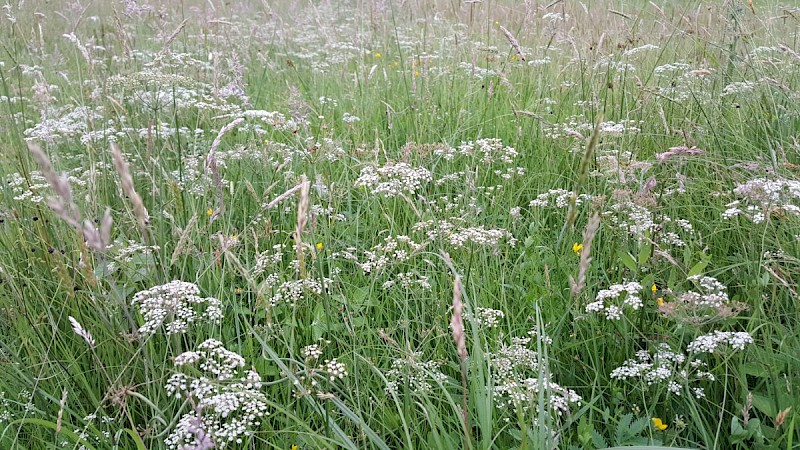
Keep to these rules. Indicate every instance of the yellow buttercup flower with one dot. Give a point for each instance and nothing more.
(295, 447)
(378, 55)
(660, 301)
(209, 211)
(577, 247)
(659, 424)
(654, 288)
(320, 246)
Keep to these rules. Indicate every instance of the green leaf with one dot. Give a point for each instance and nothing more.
(764, 404)
(698, 268)
(597, 440)
(53, 426)
(644, 252)
(627, 260)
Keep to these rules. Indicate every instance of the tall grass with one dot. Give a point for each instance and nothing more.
(331, 173)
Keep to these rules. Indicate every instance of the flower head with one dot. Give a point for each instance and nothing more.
(659, 424)
(320, 246)
(577, 247)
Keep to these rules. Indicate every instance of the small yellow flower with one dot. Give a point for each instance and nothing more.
(660, 301)
(416, 73)
(513, 57)
(320, 245)
(234, 237)
(654, 288)
(577, 247)
(659, 424)
(295, 447)
(238, 291)
(378, 55)
(209, 212)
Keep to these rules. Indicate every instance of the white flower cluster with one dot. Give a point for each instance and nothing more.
(408, 280)
(459, 235)
(25, 191)
(488, 317)
(708, 303)
(518, 380)
(762, 197)
(126, 252)
(559, 198)
(312, 352)
(738, 88)
(274, 119)
(173, 305)
(393, 180)
(335, 369)
(394, 249)
(74, 122)
(631, 217)
(620, 168)
(636, 50)
(330, 369)
(268, 259)
(229, 400)
(603, 303)
(349, 118)
(579, 127)
(489, 151)
(415, 373)
(292, 291)
(710, 343)
(713, 293)
(665, 367)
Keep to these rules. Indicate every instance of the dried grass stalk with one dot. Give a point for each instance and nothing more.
(576, 287)
(460, 338)
(302, 220)
(64, 206)
(172, 36)
(283, 197)
(126, 182)
(211, 165)
(513, 41)
(183, 241)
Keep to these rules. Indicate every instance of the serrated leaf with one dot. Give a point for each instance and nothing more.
(598, 440)
(639, 425)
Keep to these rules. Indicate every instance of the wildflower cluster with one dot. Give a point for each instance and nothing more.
(763, 197)
(458, 235)
(394, 249)
(408, 281)
(676, 370)
(415, 373)
(330, 369)
(559, 198)
(520, 378)
(608, 301)
(487, 317)
(174, 306)
(707, 304)
(393, 180)
(228, 399)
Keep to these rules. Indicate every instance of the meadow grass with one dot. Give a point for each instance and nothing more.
(383, 224)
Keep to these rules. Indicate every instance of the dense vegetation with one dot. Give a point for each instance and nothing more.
(383, 224)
